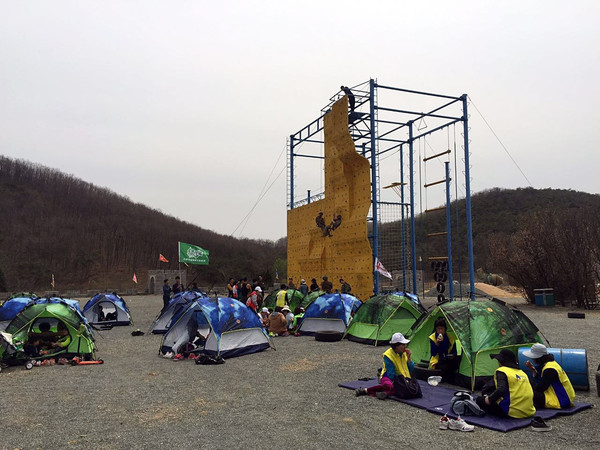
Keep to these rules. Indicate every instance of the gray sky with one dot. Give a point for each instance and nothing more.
(185, 106)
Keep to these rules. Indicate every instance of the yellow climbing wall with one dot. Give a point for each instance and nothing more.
(347, 253)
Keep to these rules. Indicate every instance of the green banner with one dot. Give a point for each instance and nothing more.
(192, 254)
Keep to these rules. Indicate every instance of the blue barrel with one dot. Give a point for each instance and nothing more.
(544, 297)
(539, 298)
(572, 360)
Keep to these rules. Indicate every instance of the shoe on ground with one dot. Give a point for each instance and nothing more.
(539, 424)
(381, 395)
(360, 391)
(178, 357)
(460, 425)
(444, 422)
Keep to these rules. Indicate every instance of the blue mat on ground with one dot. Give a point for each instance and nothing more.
(438, 400)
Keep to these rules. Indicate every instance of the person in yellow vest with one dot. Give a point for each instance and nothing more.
(396, 361)
(281, 297)
(443, 351)
(513, 394)
(553, 389)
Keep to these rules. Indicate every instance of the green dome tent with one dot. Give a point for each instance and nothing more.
(480, 329)
(381, 316)
(55, 311)
(294, 298)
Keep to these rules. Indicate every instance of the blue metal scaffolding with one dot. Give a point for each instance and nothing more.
(379, 131)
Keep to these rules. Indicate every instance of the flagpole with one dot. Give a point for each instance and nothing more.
(179, 258)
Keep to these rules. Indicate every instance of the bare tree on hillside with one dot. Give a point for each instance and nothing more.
(553, 249)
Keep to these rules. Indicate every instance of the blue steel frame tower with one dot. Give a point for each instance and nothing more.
(379, 130)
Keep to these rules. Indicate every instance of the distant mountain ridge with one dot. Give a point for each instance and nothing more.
(90, 237)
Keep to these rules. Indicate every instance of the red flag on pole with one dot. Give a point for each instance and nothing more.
(134, 278)
(162, 258)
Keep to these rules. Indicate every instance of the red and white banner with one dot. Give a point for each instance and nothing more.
(379, 268)
(134, 278)
(162, 258)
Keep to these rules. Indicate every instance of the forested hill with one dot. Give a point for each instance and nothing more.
(502, 212)
(92, 238)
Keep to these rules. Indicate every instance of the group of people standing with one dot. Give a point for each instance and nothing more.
(326, 286)
(168, 290)
(249, 293)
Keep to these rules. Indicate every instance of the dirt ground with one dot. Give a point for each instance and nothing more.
(286, 397)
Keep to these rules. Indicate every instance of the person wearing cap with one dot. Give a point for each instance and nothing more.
(252, 301)
(289, 317)
(443, 351)
(512, 394)
(303, 288)
(264, 317)
(396, 361)
(553, 388)
(326, 285)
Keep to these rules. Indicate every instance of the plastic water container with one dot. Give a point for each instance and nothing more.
(572, 360)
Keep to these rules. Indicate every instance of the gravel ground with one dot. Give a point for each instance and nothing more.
(288, 397)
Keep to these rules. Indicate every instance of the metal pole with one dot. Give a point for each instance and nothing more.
(468, 197)
(291, 171)
(402, 224)
(308, 196)
(374, 185)
(412, 205)
(449, 230)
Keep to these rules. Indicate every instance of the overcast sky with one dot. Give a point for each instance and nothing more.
(185, 106)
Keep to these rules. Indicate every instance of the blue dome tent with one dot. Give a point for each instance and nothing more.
(177, 305)
(13, 306)
(230, 327)
(107, 310)
(329, 312)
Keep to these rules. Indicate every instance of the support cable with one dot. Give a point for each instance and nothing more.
(262, 193)
(501, 143)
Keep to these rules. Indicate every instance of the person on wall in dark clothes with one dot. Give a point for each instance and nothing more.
(351, 100)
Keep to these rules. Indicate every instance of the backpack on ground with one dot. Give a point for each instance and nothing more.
(464, 404)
